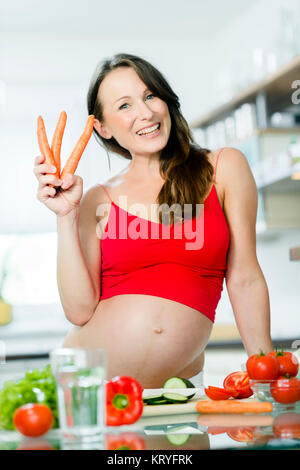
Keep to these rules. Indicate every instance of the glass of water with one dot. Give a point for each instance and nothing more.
(80, 382)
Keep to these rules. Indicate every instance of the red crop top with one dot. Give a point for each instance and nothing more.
(188, 269)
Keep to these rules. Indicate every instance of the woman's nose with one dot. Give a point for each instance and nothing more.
(144, 111)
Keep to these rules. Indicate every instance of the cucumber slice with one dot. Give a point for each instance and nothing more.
(163, 401)
(175, 397)
(177, 439)
(179, 382)
(153, 399)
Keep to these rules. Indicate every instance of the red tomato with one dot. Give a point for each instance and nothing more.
(238, 385)
(285, 390)
(33, 419)
(262, 367)
(287, 362)
(217, 393)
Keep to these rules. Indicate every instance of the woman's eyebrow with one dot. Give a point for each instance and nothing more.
(146, 89)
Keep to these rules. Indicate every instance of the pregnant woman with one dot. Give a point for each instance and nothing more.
(149, 298)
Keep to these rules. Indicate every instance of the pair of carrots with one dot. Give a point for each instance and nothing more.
(52, 154)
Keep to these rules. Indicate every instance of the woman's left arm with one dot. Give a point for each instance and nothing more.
(245, 282)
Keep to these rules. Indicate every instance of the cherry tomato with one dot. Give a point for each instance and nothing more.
(238, 385)
(285, 390)
(287, 362)
(262, 367)
(33, 419)
(217, 393)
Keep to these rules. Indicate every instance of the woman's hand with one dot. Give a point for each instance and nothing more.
(65, 196)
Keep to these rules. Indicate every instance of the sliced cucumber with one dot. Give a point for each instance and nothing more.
(163, 401)
(177, 439)
(175, 397)
(179, 382)
(153, 399)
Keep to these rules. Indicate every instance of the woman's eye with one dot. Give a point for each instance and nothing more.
(126, 104)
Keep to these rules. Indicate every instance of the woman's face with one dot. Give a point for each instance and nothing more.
(129, 107)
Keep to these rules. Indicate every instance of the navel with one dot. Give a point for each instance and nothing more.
(158, 329)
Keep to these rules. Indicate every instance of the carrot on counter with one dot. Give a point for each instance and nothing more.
(57, 139)
(77, 152)
(44, 144)
(233, 406)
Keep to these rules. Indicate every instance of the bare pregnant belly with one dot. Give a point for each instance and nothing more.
(145, 337)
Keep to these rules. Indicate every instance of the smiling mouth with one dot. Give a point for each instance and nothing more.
(150, 131)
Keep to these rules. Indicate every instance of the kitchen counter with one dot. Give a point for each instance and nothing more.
(276, 430)
(186, 431)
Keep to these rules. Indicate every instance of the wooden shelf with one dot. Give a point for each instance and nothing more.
(276, 84)
(295, 253)
(277, 171)
(277, 130)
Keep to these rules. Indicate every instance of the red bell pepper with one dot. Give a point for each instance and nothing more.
(124, 401)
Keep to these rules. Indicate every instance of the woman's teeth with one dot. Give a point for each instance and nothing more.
(149, 130)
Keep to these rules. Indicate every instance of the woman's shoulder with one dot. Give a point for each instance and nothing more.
(97, 194)
(226, 162)
(224, 159)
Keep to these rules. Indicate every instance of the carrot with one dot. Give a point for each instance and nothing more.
(77, 152)
(233, 406)
(57, 139)
(44, 145)
(43, 142)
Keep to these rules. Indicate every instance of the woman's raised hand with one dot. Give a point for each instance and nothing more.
(64, 196)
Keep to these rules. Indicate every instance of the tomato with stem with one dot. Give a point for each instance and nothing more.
(262, 366)
(287, 362)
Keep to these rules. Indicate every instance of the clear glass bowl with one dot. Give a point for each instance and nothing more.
(262, 392)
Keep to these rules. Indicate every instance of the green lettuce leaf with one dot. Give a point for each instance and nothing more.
(38, 386)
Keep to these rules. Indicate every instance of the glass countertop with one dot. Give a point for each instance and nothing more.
(193, 431)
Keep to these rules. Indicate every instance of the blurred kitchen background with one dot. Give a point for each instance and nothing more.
(235, 66)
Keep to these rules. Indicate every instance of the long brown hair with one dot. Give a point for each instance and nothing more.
(184, 165)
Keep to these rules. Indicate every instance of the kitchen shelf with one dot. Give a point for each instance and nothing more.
(273, 152)
(273, 85)
(274, 170)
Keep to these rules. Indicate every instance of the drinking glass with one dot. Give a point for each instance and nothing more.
(80, 382)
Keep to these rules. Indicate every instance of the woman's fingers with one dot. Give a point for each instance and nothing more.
(42, 168)
(67, 181)
(46, 192)
(48, 179)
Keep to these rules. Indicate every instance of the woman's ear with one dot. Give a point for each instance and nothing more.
(102, 129)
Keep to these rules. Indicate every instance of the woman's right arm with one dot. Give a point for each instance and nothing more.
(79, 260)
(79, 250)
